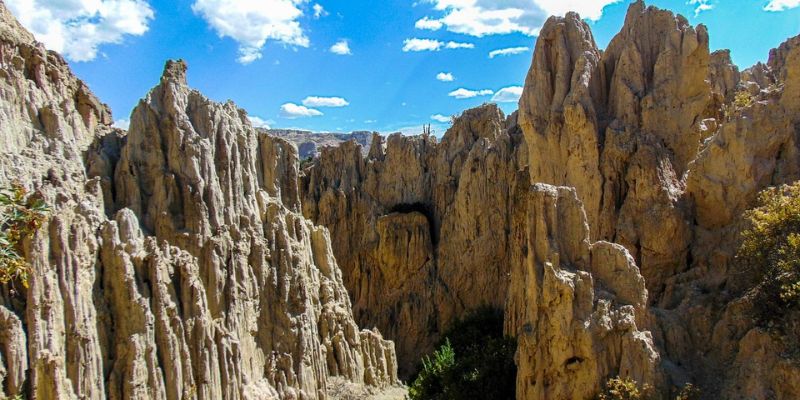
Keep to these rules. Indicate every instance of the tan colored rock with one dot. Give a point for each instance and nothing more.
(207, 283)
(424, 231)
(574, 306)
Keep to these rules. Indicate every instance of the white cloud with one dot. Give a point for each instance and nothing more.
(458, 45)
(462, 93)
(319, 11)
(491, 17)
(292, 111)
(258, 122)
(77, 28)
(421, 45)
(429, 24)
(251, 23)
(341, 47)
(701, 5)
(122, 124)
(416, 44)
(315, 101)
(445, 77)
(440, 118)
(781, 5)
(508, 94)
(507, 51)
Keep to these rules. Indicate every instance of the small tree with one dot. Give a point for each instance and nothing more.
(21, 215)
(624, 389)
(769, 255)
(474, 361)
(431, 381)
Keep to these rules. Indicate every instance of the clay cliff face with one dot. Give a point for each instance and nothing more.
(607, 220)
(423, 230)
(665, 160)
(175, 263)
(181, 258)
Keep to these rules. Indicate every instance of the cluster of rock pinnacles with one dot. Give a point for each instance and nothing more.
(189, 257)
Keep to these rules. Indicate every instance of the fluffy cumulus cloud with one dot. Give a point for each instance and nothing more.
(462, 93)
(440, 118)
(780, 5)
(315, 101)
(252, 22)
(490, 17)
(429, 24)
(509, 94)
(445, 77)
(416, 44)
(342, 48)
(508, 51)
(77, 28)
(259, 122)
(292, 111)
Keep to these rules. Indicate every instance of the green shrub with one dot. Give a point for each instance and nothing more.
(306, 162)
(431, 381)
(474, 360)
(769, 255)
(21, 215)
(624, 389)
(743, 99)
(689, 392)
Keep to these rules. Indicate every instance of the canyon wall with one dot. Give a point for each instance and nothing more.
(181, 259)
(424, 230)
(603, 216)
(665, 160)
(174, 263)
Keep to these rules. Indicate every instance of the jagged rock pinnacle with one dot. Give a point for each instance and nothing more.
(175, 70)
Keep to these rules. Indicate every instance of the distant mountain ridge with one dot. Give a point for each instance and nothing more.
(309, 143)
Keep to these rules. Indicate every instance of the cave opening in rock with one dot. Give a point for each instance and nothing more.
(424, 209)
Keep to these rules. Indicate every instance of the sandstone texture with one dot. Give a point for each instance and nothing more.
(175, 263)
(665, 144)
(603, 215)
(424, 230)
(190, 257)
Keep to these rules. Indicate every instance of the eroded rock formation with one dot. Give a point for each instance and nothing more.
(666, 145)
(181, 259)
(424, 230)
(625, 266)
(175, 263)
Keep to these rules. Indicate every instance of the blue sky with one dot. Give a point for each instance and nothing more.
(346, 58)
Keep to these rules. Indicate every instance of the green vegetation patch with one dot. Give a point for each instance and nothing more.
(474, 360)
(21, 215)
(769, 255)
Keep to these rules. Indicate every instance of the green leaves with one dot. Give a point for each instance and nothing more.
(624, 389)
(21, 215)
(474, 361)
(770, 253)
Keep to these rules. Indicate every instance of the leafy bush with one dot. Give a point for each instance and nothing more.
(769, 255)
(689, 392)
(306, 162)
(474, 360)
(624, 389)
(743, 99)
(628, 389)
(21, 215)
